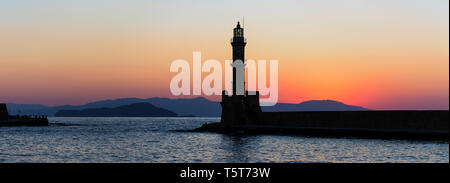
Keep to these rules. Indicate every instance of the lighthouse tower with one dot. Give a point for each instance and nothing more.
(242, 106)
(238, 42)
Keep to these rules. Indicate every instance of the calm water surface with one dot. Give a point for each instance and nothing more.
(163, 140)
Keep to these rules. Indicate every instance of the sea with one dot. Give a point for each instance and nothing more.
(168, 140)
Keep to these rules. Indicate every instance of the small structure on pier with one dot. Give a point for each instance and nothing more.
(7, 120)
(4, 115)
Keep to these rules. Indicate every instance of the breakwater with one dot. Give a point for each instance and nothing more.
(370, 124)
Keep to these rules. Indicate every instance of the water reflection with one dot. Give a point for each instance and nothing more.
(235, 147)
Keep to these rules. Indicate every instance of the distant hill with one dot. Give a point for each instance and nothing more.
(313, 105)
(184, 107)
(132, 110)
(200, 106)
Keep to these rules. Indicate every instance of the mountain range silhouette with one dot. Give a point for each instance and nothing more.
(142, 109)
(200, 107)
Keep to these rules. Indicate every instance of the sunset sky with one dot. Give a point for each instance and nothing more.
(380, 54)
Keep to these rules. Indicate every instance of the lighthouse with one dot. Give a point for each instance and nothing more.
(238, 43)
(242, 106)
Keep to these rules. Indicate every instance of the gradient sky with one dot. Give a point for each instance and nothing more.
(379, 54)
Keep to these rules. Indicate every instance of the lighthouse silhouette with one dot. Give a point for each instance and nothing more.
(238, 42)
(239, 108)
